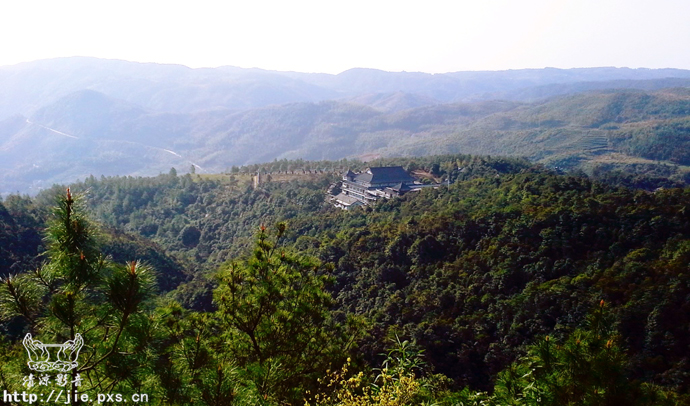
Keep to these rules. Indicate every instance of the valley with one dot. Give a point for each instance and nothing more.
(181, 221)
(358, 114)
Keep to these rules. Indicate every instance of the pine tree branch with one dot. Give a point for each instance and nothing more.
(112, 350)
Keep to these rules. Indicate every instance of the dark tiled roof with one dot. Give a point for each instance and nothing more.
(385, 174)
(401, 187)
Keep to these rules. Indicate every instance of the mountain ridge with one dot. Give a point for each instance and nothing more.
(177, 88)
(566, 131)
(66, 119)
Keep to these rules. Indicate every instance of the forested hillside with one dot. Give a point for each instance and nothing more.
(22, 249)
(129, 119)
(513, 284)
(632, 131)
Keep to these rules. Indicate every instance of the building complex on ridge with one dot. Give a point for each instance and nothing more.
(366, 187)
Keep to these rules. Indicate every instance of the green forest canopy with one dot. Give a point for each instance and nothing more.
(464, 280)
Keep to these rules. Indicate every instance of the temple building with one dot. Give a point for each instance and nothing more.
(373, 184)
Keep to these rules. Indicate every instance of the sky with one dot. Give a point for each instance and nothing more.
(333, 36)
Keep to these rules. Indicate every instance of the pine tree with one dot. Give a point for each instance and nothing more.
(270, 340)
(589, 368)
(79, 297)
(274, 311)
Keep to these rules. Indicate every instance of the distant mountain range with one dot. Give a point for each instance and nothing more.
(69, 118)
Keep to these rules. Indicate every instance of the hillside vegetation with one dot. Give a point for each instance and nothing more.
(66, 119)
(632, 131)
(455, 294)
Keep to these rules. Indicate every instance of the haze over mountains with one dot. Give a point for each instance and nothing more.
(65, 119)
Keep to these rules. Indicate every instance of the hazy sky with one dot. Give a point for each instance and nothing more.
(332, 36)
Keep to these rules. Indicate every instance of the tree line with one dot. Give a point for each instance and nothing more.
(514, 285)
